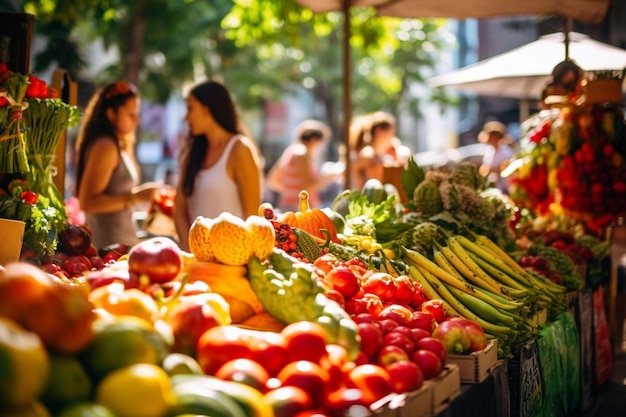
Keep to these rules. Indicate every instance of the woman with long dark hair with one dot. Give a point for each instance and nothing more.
(220, 165)
(107, 174)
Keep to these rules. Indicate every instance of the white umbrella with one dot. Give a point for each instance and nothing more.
(523, 72)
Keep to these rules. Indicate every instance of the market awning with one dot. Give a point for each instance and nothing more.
(524, 71)
(585, 10)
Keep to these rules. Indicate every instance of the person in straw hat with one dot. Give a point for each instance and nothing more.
(498, 154)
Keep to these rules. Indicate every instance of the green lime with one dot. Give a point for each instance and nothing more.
(85, 409)
(122, 341)
(68, 382)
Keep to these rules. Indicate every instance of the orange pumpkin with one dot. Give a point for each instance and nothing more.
(311, 220)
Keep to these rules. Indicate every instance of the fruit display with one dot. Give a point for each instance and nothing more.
(311, 312)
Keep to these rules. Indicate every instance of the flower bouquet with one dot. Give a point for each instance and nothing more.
(32, 121)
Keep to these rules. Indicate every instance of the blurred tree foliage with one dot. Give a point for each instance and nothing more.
(261, 49)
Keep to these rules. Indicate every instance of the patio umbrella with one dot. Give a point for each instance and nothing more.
(585, 10)
(523, 72)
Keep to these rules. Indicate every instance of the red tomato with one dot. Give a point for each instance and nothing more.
(367, 303)
(428, 361)
(245, 371)
(29, 197)
(405, 376)
(381, 284)
(288, 401)
(343, 280)
(326, 262)
(271, 352)
(221, 344)
(347, 402)
(405, 289)
(373, 381)
(305, 340)
(335, 363)
(397, 312)
(308, 376)
(435, 308)
(188, 321)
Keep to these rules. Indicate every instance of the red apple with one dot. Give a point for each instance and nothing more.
(400, 340)
(429, 363)
(387, 325)
(478, 339)
(305, 340)
(422, 320)
(389, 354)
(406, 376)
(371, 338)
(363, 318)
(413, 333)
(454, 336)
(159, 258)
(435, 346)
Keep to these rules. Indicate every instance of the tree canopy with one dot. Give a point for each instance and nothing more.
(261, 49)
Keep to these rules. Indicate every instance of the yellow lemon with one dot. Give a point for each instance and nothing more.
(24, 365)
(140, 390)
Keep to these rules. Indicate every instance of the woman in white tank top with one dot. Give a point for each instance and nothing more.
(220, 167)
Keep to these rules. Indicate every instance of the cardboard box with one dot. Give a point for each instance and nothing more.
(475, 367)
(445, 388)
(382, 407)
(603, 91)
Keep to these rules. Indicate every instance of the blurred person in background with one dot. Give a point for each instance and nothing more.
(298, 167)
(221, 169)
(107, 174)
(373, 146)
(498, 153)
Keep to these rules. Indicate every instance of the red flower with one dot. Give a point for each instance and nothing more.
(29, 197)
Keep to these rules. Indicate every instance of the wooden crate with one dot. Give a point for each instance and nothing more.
(476, 366)
(415, 403)
(445, 388)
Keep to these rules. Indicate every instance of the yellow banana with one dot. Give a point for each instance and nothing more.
(416, 274)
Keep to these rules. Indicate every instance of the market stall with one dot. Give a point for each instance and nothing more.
(432, 294)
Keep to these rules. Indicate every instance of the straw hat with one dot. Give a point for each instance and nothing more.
(494, 126)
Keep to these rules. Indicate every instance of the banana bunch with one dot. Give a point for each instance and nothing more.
(478, 280)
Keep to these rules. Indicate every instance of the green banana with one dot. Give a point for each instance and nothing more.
(461, 308)
(462, 254)
(483, 309)
(198, 399)
(452, 278)
(430, 292)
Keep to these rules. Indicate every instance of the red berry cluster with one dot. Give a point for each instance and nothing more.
(285, 237)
